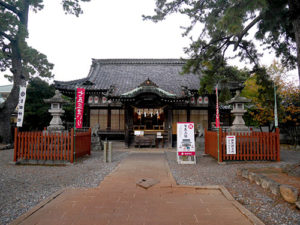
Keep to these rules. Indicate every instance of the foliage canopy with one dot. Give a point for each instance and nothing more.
(227, 25)
(16, 55)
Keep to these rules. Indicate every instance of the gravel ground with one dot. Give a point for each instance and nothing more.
(22, 187)
(271, 210)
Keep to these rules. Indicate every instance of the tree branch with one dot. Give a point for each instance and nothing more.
(249, 55)
(10, 7)
(247, 28)
(6, 35)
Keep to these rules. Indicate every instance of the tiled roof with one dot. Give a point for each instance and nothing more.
(6, 88)
(127, 74)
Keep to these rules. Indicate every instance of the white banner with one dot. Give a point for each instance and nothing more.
(185, 139)
(21, 106)
(230, 145)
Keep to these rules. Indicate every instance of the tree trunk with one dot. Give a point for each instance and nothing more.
(294, 6)
(12, 100)
(19, 76)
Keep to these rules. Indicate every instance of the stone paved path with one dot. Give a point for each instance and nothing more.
(119, 200)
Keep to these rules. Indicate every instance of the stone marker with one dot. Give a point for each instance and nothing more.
(147, 182)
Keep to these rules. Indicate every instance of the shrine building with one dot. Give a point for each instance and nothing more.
(130, 97)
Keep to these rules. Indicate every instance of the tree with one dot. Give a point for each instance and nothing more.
(227, 24)
(36, 115)
(22, 60)
(219, 72)
(260, 89)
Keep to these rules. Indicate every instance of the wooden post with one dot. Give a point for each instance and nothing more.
(72, 145)
(278, 144)
(15, 144)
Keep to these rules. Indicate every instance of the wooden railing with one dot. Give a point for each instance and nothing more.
(42, 145)
(249, 146)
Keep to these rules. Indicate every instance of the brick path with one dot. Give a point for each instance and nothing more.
(119, 200)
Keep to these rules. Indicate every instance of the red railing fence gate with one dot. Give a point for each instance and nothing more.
(257, 146)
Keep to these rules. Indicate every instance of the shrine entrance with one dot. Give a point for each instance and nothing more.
(148, 118)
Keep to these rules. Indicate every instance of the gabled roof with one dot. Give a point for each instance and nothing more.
(125, 75)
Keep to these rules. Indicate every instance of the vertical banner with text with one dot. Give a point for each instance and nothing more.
(21, 106)
(80, 93)
(217, 110)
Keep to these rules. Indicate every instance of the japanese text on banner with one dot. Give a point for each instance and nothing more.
(79, 106)
(21, 106)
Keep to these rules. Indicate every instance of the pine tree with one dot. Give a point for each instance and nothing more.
(15, 55)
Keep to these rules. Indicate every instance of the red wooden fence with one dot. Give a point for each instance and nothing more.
(50, 146)
(249, 146)
(83, 143)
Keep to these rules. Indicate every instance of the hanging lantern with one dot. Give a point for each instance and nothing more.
(96, 100)
(90, 101)
(200, 100)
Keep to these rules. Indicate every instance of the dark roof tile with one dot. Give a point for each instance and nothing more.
(127, 74)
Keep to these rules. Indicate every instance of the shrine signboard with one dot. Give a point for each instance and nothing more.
(186, 143)
(231, 145)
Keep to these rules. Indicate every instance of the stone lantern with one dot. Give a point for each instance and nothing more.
(238, 111)
(56, 112)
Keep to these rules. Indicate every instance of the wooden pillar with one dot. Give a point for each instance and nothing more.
(169, 126)
(108, 118)
(128, 123)
(126, 126)
(188, 114)
(88, 119)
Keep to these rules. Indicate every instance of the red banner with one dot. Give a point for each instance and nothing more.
(79, 106)
(217, 110)
(186, 153)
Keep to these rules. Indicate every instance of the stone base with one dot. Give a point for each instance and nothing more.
(239, 129)
(56, 128)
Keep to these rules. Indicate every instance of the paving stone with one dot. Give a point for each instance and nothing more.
(289, 193)
(265, 182)
(274, 188)
(118, 200)
(251, 177)
(245, 173)
(297, 204)
(147, 182)
(258, 178)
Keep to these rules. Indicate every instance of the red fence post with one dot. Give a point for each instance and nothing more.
(220, 145)
(205, 141)
(278, 144)
(16, 144)
(72, 145)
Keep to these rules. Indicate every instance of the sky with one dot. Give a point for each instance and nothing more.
(106, 29)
